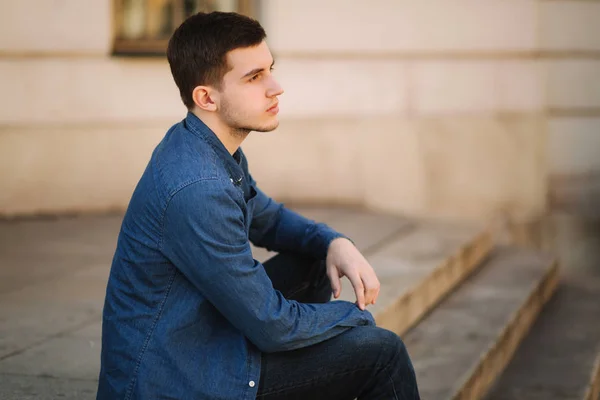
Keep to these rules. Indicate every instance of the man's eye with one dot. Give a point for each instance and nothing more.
(255, 77)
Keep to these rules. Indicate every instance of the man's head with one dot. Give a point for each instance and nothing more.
(222, 66)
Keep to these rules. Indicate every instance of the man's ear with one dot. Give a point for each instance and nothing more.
(204, 98)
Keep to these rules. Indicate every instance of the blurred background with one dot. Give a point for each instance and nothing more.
(460, 108)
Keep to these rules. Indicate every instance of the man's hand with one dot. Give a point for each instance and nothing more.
(343, 259)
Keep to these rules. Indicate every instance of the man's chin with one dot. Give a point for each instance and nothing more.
(266, 128)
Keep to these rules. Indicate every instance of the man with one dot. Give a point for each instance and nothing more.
(189, 314)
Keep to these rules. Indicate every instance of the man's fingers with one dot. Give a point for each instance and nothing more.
(359, 289)
(371, 285)
(371, 295)
(334, 280)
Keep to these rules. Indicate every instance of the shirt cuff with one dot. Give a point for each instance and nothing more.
(326, 236)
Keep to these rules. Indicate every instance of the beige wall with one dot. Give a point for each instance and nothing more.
(406, 106)
(443, 104)
(75, 27)
(570, 31)
(76, 125)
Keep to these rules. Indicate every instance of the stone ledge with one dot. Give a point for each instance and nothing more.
(493, 362)
(410, 307)
(463, 345)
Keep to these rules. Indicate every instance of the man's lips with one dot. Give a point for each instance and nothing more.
(273, 108)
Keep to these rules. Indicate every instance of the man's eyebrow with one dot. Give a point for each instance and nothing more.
(255, 71)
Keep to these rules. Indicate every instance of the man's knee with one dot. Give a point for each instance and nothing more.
(390, 341)
(384, 345)
(389, 354)
(377, 336)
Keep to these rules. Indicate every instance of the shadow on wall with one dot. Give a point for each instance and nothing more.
(578, 194)
(572, 235)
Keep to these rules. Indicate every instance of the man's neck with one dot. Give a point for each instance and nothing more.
(232, 139)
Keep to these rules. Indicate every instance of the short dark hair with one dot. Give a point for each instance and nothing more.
(197, 51)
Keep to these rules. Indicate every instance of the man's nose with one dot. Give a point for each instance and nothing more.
(274, 89)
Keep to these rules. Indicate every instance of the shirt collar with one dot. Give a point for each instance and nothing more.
(232, 163)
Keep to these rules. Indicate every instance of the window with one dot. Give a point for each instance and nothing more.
(143, 27)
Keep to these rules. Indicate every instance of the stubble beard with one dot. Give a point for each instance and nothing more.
(238, 126)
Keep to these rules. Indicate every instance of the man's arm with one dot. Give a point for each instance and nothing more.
(205, 238)
(278, 228)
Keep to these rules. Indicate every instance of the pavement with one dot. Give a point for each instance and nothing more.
(52, 285)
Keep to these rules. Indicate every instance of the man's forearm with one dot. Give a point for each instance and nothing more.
(294, 232)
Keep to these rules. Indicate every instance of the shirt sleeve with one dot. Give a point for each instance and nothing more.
(204, 236)
(278, 228)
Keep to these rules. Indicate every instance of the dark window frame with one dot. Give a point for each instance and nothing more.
(149, 44)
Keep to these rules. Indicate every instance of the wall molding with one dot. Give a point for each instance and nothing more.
(344, 55)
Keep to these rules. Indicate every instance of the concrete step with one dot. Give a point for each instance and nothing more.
(418, 262)
(560, 357)
(419, 268)
(366, 229)
(464, 344)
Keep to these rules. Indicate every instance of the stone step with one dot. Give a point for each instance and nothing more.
(560, 357)
(418, 262)
(420, 266)
(464, 344)
(366, 229)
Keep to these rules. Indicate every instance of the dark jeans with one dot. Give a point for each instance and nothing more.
(365, 362)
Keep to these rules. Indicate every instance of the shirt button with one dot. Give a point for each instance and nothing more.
(251, 383)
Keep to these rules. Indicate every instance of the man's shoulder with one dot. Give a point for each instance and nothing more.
(182, 159)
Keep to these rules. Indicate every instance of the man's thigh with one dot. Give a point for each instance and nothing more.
(344, 367)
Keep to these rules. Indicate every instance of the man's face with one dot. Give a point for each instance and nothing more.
(248, 96)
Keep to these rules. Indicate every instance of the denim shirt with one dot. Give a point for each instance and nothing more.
(188, 311)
